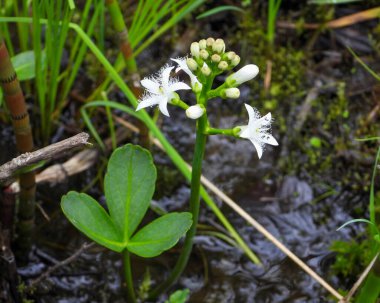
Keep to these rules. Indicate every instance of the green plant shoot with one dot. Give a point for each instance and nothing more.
(129, 187)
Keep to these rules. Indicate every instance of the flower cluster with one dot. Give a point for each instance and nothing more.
(207, 60)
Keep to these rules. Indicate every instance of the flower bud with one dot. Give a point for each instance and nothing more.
(210, 42)
(205, 70)
(215, 58)
(195, 112)
(235, 61)
(194, 49)
(191, 64)
(202, 44)
(231, 55)
(197, 87)
(244, 74)
(204, 54)
(223, 65)
(232, 93)
(218, 46)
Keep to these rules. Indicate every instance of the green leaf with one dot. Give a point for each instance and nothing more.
(24, 65)
(355, 221)
(219, 9)
(129, 187)
(89, 217)
(180, 296)
(370, 290)
(160, 235)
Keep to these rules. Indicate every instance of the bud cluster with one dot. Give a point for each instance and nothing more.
(209, 56)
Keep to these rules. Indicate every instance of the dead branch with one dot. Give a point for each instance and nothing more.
(65, 262)
(55, 150)
(369, 14)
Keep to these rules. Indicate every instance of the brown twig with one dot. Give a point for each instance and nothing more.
(52, 151)
(268, 76)
(65, 262)
(337, 23)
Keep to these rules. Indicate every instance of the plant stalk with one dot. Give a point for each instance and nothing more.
(128, 276)
(14, 99)
(196, 173)
(200, 144)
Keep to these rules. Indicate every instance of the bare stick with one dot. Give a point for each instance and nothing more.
(55, 150)
(70, 259)
(360, 280)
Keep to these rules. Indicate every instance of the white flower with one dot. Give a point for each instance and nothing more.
(195, 112)
(244, 74)
(161, 90)
(258, 130)
(183, 66)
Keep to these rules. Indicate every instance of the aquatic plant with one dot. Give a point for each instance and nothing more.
(208, 59)
(129, 187)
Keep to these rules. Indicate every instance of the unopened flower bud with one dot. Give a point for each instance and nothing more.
(195, 112)
(202, 44)
(191, 64)
(210, 42)
(205, 70)
(232, 93)
(244, 74)
(235, 61)
(204, 54)
(223, 65)
(194, 49)
(215, 58)
(231, 55)
(218, 46)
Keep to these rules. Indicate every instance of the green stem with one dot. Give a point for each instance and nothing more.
(200, 144)
(196, 173)
(178, 102)
(227, 132)
(128, 276)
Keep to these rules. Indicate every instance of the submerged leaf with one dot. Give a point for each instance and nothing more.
(160, 235)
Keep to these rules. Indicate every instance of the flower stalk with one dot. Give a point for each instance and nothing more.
(208, 60)
(194, 204)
